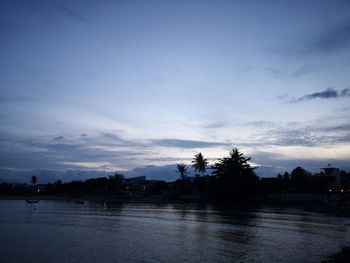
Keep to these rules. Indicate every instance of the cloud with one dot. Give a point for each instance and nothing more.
(69, 12)
(283, 96)
(333, 39)
(329, 93)
(331, 131)
(281, 136)
(105, 151)
(116, 140)
(215, 125)
(304, 70)
(343, 127)
(111, 151)
(295, 72)
(187, 143)
(45, 153)
(100, 165)
(259, 124)
(330, 43)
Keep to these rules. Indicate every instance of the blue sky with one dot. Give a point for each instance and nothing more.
(117, 85)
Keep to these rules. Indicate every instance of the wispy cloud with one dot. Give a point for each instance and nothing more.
(259, 124)
(69, 12)
(311, 134)
(101, 165)
(295, 72)
(215, 125)
(333, 39)
(187, 143)
(104, 151)
(329, 93)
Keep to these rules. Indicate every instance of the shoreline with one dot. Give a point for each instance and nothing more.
(335, 208)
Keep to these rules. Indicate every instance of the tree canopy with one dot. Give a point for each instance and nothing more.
(182, 170)
(234, 175)
(199, 163)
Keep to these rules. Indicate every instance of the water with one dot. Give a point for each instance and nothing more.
(69, 232)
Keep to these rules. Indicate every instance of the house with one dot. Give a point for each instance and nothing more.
(334, 172)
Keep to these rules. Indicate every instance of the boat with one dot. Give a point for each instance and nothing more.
(31, 201)
(79, 202)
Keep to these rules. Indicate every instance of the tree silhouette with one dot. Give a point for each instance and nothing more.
(182, 170)
(199, 163)
(233, 165)
(234, 175)
(286, 176)
(116, 181)
(299, 177)
(298, 172)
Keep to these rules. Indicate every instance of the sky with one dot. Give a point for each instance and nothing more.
(88, 87)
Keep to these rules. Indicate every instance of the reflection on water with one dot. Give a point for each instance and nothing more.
(90, 232)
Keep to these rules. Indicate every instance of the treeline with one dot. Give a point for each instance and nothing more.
(233, 177)
(111, 184)
(302, 181)
(229, 178)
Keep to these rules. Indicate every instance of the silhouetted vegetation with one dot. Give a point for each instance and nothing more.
(302, 181)
(232, 178)
(111, 184)
(200, 163)
(182, 170)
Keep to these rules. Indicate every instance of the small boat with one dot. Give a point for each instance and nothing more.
(79, 202)
(31, 201)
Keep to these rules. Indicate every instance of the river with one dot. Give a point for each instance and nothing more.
(68, 232)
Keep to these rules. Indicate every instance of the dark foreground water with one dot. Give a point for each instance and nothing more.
(69, 232)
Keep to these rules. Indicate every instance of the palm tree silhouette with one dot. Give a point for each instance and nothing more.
(199, 163)
(235, 164)
(234, 175)
(182, 170)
